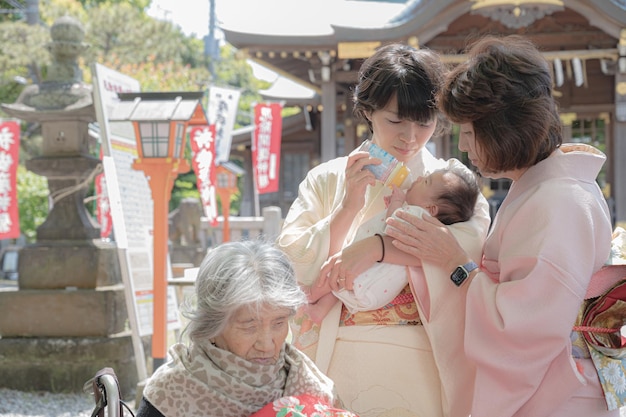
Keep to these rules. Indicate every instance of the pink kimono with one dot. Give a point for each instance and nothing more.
(552, 232)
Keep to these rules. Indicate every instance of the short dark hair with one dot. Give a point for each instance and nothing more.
(505, 90)
(456, 203)
(415, 75)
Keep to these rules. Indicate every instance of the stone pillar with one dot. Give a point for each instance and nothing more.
(187, 239)
(349, 128)
(329, 121)
(67, 319)
(619, 150)
(272, 222)
(619, 136)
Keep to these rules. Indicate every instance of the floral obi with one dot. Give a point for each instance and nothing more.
(402, 310)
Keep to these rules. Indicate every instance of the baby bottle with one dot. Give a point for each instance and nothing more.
(390, 171)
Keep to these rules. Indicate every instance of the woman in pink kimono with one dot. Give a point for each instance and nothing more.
(383, 362)
(551, 233)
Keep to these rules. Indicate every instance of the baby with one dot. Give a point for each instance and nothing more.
(449, 194)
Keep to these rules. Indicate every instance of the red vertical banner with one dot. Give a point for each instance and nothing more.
(266, 146)
(202, 139)
(9, 159)
(103, 207)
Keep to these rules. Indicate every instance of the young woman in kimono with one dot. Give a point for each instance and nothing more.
(448, 194)
(551, 233)
(382, 361)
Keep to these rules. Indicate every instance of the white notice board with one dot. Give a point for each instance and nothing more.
(131, 206)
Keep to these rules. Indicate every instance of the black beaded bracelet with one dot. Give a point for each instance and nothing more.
(382, 243)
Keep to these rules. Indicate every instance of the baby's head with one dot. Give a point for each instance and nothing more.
(449, 194)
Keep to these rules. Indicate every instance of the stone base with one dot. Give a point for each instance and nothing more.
(62, 264)
(68, 218)
(65, 364)
(63, 313)
(187, 254)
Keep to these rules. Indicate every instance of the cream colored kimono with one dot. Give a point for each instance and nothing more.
(385, 370)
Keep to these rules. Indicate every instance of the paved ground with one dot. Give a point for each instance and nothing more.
(44, 404)
(5, 283)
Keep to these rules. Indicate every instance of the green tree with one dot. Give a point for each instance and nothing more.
(138, 4)
(51, 10)
(20, 46)
(235, 72)
(123, 37)
(32, 196)
(120, 34)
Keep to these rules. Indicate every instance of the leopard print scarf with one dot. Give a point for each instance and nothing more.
(204, 380)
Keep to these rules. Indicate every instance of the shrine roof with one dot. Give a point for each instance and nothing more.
(288, 21)
(299, 40)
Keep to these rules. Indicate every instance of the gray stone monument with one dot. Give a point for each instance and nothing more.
(68, 317)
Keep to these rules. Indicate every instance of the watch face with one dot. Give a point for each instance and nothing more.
(458, 276)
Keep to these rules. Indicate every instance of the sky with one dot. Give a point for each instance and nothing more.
(193, 15)
(193, 19)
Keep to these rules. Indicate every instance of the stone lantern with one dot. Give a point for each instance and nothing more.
(63, 105)
(70, 304)
(227, 174)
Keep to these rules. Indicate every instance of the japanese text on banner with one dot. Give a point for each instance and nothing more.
(202, 140)
(266, 146)
(221, 113)
(9, 157)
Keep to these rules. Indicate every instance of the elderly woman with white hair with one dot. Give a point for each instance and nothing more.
(237, 360)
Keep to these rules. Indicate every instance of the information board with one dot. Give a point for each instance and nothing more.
(131, 209)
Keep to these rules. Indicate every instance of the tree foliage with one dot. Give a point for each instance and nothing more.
(32, 196)
(51, 10)
(237, 73)
(138, 4)
(20, 46)
(121, 36)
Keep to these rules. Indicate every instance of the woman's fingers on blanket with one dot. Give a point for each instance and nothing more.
(413, 226)
(421, 223)
(325, 273)
(338, 274)
(331, 273)
(403, 238)
(427, 239)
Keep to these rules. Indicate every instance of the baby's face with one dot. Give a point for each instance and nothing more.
(425, 190)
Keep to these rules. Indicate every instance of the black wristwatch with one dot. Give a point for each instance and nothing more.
(461, 273)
